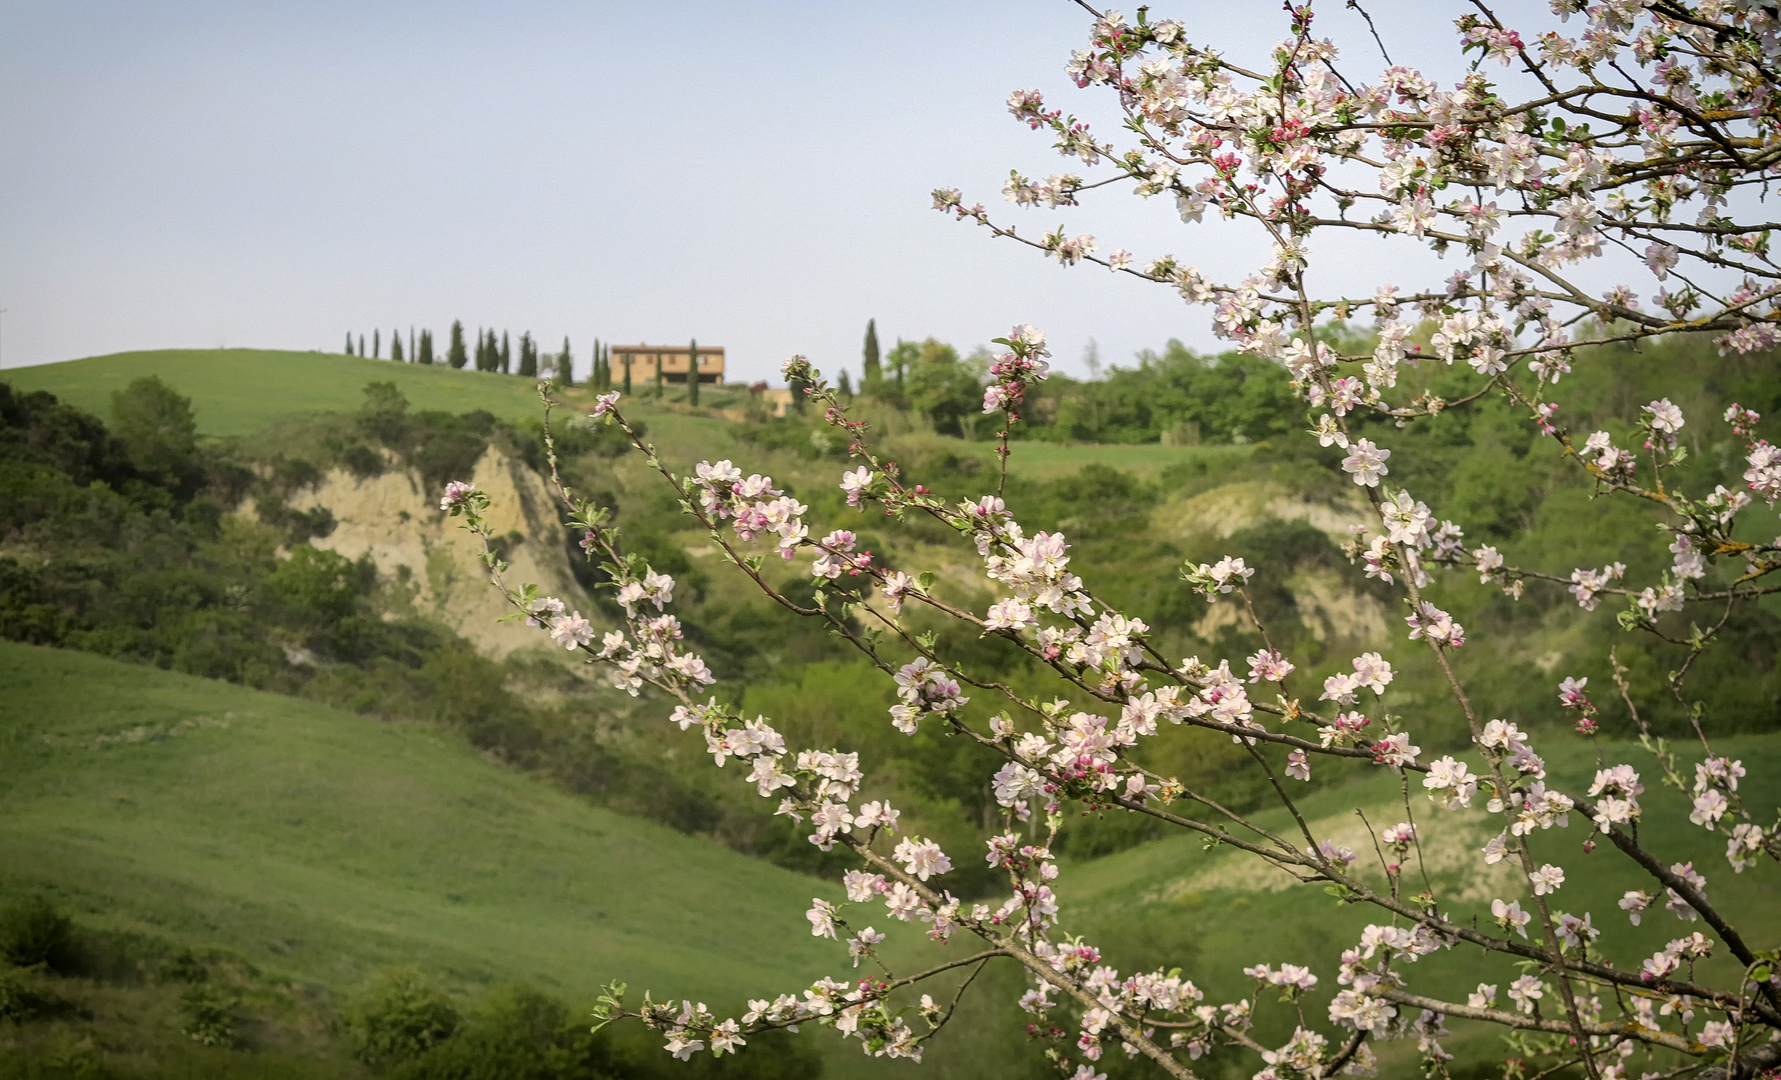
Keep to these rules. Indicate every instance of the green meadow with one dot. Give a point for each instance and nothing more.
(241, 391)
(315, 849)
(328, 846)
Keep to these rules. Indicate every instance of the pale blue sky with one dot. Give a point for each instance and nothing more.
(755, 175)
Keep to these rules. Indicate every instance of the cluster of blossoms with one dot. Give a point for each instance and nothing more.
(1036, 569)
(1011, 373)
(924, 689)
(754, 506)
(1635, 901)
(1210, 580)
(1764, 460)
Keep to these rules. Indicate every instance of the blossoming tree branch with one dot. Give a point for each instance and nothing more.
(1634, 134)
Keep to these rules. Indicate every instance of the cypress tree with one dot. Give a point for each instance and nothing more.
(658, 376)
(455, 354)
(506, 355)
(423, 352)
(349, 343)
(872, 375)
(412, 355)
(528, 356)
(376, 345)
(361, 344)
(566, 364)
(628, 373)
(594, 378)
(692, 373)
(396, 346)
(846, 385)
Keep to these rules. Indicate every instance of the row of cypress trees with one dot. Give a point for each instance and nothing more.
(491, 353)
(495, 354)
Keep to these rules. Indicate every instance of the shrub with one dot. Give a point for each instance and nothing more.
(398, 1017)
(34, 933)
(207, 1015)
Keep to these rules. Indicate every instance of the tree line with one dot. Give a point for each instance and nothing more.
(1171, 396)
(490, 353)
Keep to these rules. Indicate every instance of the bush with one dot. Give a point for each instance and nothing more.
(398, 1017)
(34, 933)
(207, 1015)
(516, 1034)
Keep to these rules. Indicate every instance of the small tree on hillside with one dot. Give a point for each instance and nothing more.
(349, 351)
(566, 365)
(155, 424)
(376, 345)
(396, 346)
(506, 355)
(423, 353)
(528, 356)
(455, 354)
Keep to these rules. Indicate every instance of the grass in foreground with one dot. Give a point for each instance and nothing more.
(328, 846)
(318, 848)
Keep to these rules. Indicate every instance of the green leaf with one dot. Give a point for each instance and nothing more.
(925, 581)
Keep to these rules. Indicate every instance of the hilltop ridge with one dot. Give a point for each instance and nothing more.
(241, 391)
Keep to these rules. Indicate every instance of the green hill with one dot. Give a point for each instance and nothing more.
(241, 391)
(327, 846)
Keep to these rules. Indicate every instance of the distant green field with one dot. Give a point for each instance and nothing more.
(327, 846)
(240, 391)
(1044, 461)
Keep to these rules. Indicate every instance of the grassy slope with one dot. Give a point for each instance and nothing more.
(240, 391)
(322, 848)
(326, 847)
